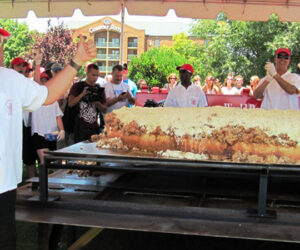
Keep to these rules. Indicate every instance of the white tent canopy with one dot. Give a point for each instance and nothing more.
(256, 10)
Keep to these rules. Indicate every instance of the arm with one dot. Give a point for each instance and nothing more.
(58, 85)
(286, 86)
(101, 107)
(259, 91)
(37, 60)
(73, 100)
(130, 98)
(60, 124)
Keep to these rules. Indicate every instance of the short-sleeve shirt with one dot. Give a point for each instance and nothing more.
(232, 91)
(43, 120)
(114, 90)
(16, 93)
(186, 97)
(87, 112)
(277, 98)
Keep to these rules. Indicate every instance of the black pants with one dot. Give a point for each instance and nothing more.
(83, 134)
(7, 220)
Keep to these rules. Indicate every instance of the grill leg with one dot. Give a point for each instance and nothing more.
(43, 182)
(262, 199)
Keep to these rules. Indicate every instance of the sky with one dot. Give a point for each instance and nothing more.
(40, 24)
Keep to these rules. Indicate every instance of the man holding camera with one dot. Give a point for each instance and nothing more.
(88, 99)
(117, 92)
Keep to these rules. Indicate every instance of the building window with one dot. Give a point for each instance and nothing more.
(156, 42)
(115, 42)
(100, 41)
(132, 42)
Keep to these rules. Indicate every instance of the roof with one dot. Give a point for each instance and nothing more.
(151, 28)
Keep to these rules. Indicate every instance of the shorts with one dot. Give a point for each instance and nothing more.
(40, 142)
(29, 154)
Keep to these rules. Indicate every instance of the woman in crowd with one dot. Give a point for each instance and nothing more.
(228, 88)
(142, 84)
(210, 87)
(46, 120)
(197, 81)
(172, 82)
(254, 80)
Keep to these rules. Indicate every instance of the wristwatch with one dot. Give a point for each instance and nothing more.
(75, 65)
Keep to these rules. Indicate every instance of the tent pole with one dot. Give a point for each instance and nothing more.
(122, 31)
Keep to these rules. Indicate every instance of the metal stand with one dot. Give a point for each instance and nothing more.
(262, 199)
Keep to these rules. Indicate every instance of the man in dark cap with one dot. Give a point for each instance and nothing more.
(186, 93)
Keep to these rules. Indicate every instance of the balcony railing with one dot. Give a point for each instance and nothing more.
(102, 68)
(129, 57)
(101, 56)
(132, 45)
(114, 56)
(100, 44)
(113, 45)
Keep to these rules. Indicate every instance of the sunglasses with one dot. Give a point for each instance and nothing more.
(173, 78)
(281, 56)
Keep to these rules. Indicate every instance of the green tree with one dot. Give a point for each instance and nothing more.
(244, 47)
(155, 65)
(19, 41)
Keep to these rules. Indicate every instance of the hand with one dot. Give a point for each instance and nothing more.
(269, 78)
(61, 135)
(38, 58)
(270, 68)
(123, 96)
(85, 51)
(85, 91)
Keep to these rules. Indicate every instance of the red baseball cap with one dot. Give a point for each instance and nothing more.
(18, 60)
(186, 67)
(283, 50)
(44, 75)
(4, 32)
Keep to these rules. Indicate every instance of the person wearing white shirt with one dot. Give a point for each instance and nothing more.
(229, 89)
(186, 94)
(117, 92)
(17, 93)
(280, 88)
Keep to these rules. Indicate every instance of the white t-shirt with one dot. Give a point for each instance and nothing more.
(232, 91)
(44, 119)
(182, 97)
(113, 90)
(276, 98)
(16, 93)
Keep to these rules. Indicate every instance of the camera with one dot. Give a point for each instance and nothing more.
(95, 95)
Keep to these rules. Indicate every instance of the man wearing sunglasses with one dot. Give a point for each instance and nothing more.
(280, 87)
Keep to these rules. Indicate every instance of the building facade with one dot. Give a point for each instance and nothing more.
(106, 34)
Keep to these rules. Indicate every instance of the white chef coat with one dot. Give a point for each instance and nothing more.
(16, 93)
(183, 97)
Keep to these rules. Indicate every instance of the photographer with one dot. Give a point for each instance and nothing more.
(89, 100)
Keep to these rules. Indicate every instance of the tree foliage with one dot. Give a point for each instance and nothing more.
(155, 65)
(19, 41)
(241, 47)
(56, 45)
